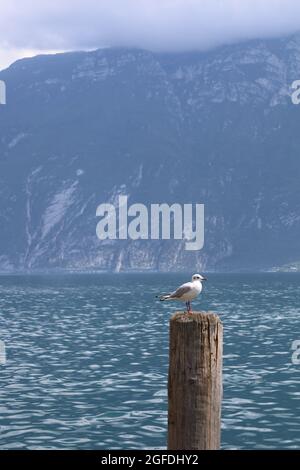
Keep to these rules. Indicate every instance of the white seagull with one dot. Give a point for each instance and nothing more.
(186, 292)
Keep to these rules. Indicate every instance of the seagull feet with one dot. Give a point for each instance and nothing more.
(189, 309)
(188, 314)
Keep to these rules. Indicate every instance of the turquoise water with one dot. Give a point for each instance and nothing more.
(87, 359)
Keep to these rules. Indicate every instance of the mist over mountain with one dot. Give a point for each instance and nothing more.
(217, 128)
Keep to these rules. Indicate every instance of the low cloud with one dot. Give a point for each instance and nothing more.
(160, 25)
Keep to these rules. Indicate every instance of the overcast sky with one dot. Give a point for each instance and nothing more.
(29, 27)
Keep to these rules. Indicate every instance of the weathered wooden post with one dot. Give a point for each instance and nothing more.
(195, 381)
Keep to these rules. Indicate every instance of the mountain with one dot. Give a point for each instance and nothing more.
(217, 128)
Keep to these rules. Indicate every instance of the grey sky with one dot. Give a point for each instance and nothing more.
(28, 27)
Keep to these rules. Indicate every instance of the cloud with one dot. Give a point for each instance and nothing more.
(161, 25)
(9, 55)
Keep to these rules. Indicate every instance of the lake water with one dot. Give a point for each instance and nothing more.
(87, 360)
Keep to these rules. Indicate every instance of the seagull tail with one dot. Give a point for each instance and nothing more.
(163, 297)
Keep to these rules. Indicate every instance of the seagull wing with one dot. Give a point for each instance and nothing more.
(184, 289)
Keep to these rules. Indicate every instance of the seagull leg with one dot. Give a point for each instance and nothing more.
(189, 308)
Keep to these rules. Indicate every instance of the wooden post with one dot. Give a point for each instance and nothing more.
(195, 381)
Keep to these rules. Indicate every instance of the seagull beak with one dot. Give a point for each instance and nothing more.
(204, 279)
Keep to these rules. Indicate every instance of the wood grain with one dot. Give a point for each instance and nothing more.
(195, 381)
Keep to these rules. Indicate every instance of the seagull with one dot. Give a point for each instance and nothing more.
(186, 292)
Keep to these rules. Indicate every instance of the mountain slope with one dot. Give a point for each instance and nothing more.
(217, 128)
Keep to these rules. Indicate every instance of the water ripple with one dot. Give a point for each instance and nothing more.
(87, 360)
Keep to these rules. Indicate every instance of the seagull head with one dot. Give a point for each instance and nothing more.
(198, 278)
